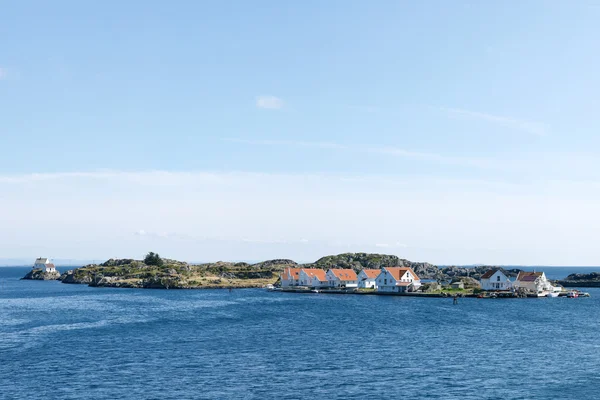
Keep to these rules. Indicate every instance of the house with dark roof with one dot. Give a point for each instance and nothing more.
(342, 278)
(398, 280)
(495, 279)
(367, 278)
(44, 264)
(535, 282)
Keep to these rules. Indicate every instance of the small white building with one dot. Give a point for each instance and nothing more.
(495, 279)
(397, 279)
(290, 277)
(313, 277)
(367, 278)
(44, 264)
(533, 281)
(340, 278)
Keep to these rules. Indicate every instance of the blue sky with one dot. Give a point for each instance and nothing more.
(450, 132)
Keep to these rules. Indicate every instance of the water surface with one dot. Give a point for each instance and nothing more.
(62, 341)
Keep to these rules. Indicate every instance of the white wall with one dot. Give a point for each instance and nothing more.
(367, 283)
(498, 281)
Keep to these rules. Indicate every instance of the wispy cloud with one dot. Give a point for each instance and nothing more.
(533, 128)
(384, 150)
(269, 102)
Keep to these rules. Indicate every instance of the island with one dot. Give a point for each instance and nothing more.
(582, 280)
(155, 272)
(43, 270)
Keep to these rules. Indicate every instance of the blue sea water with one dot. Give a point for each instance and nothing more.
(62, 341)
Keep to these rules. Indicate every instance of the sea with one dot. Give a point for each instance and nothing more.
(61, 341)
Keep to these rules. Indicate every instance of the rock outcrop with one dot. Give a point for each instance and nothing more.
(473, 272)
(129, 273)
(468, 282)
(40, 275)
(359, 261)
(581, 280)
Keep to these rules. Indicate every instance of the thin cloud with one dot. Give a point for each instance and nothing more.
(269, 102)
(533, 128)
(384, 150)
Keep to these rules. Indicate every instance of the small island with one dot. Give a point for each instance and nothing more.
(43, 270)
(582, 280)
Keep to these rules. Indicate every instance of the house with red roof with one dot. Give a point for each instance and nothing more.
(313, 277)
(367, 278)
(398, 280)
(495, 279)
(290, 277)
(342, 278)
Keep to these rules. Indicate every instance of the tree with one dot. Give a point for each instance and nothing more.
(153, 259)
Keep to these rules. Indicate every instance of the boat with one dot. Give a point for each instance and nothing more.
(572, 294)
(552, 294)
(315, 290)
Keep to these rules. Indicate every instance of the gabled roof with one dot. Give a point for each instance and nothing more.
(490, 273)
(344, 274)
(371, 273)
(50, 265)
(529, 276)
(41, 260)
(292, 273)
(316, 273)
(398, 272)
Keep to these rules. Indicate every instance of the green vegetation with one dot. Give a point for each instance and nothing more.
(153, 259)
(157, 272)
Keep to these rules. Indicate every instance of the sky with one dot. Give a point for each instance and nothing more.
(449, 132)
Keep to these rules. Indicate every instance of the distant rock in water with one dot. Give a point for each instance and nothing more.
(39, 275)
(582, 280)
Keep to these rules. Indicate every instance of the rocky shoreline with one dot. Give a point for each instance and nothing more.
(40, 275)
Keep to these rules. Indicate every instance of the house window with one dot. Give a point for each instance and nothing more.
(385, 281)
(498, 278)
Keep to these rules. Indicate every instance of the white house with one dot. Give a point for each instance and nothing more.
(44, 264)
(397, 279)
(533, 281)
(290, 277)
(494, 279)
(342, 278)
(367, 278)
(313, 277)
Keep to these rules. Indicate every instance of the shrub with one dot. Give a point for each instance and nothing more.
(153, 259)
